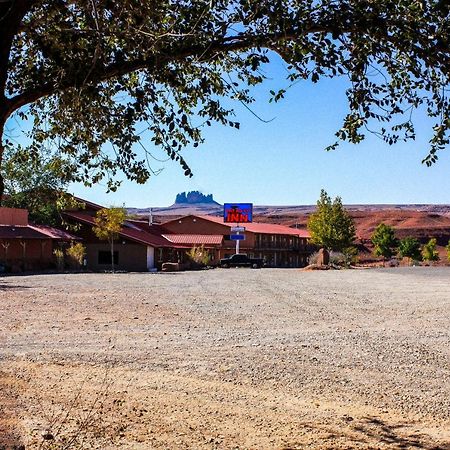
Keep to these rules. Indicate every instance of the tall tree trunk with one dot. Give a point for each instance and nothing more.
(2, 150)
(2, 185)
(3, 118)
(112, 255)
(11, 14)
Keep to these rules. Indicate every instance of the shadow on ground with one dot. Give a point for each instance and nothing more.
(363, 433)
(15, 287)
(395, 436)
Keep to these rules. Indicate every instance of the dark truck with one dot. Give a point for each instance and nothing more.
(241, 260)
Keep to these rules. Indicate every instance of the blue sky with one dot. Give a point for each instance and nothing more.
(284, 162)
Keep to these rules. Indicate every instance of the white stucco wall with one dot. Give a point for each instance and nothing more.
(150, 257)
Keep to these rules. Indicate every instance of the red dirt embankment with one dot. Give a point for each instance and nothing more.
(422, 225)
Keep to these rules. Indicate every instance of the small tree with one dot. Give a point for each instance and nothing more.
(448, 250)
(199, 255)
(108, 223)
(76, 253)
(429, 252)
(409, 247)
(331, 226)
(384, 241)
(59, 255)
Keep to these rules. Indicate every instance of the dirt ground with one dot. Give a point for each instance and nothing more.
(227, 359)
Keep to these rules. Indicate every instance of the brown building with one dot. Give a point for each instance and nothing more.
(143, 247)
(279, 245)
(140, 247)
(24, 246)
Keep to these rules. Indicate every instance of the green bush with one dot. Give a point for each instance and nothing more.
(199, 255)
(429, 251)
(409, 247)
(76, 253)
(384, 241)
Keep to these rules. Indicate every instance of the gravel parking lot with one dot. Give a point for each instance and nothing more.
(227, 359)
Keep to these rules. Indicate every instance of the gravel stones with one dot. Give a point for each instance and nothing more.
(329, 346)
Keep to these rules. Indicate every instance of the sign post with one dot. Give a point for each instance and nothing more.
(238, 238)
(237, 213)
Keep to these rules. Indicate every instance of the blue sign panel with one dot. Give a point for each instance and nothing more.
(237, 237)
(238, 212)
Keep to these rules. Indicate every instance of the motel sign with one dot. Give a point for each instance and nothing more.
(238, 212)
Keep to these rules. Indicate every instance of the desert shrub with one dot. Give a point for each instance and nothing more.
(78, 422)
(337, 259)
(350, 256)
(76, 253)
(59, 255)
(313, 258)
(199, 255)
(345, 258)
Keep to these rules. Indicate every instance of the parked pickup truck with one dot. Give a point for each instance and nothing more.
(241, 260)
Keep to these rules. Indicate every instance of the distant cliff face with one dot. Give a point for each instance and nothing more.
(188, 198)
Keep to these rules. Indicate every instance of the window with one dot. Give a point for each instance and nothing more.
(105, 257)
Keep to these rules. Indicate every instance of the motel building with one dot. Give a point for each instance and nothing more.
(279, 245)
(142, 246)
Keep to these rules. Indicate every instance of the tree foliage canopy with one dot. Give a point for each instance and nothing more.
(36, 183)
(409, 247)
(108, 223)
(330, 225)
(94, 74)
(384, 241)
(429, 251)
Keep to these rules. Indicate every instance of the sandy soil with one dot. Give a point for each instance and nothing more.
(227, 359)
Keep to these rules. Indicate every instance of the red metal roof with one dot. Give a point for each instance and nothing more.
(131, 230)
(263, 228)
(20, 232)
(195, 239)
(154, 228)
(34, 232)
(54, 233)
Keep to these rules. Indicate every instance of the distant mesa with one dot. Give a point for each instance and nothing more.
(194, 197)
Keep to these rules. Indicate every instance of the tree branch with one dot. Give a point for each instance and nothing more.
(203, 52)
